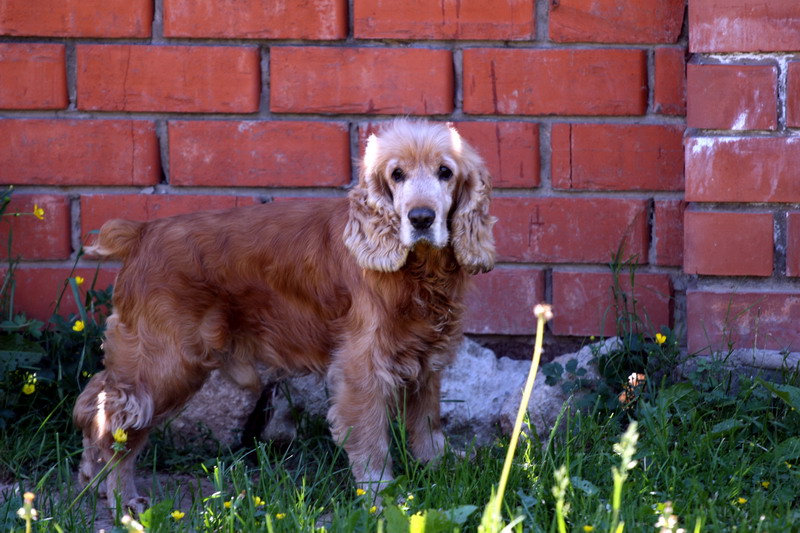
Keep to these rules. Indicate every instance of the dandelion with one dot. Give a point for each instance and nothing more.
(121, 436)
(588, 529)
(360, 492)
(373, 509)
(28, 389)
(765, 484)
(660, 339)
(38, 212)
(258, 502)
(79, 326)
(177, 514)
(280, 516)
(741, 501)
(79, 281)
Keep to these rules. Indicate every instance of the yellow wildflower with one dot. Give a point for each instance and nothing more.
(588, 528)
(280, 516)
(79, 281)
(373, 509)
(228, 504)
(258, 502)
(28, 388)
(79, 325)
(360, 492)
(660, 339)
(177, 514)
(765, 484)
(410, 497)
(38, 212)
(741, 500)
(120, 436)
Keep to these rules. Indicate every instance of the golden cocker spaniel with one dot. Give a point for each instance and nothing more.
(367, 290)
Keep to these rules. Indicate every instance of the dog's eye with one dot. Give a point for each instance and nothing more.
(445, 173)
(398, 175)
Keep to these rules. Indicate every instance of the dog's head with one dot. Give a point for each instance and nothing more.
(420, 182)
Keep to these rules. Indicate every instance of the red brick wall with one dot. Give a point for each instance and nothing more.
(742, 225)
(145, 108)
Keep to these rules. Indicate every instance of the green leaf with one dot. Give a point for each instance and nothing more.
(156, 515)
(727, 426)
(585, 486)
(461, 514)
(789, 394)
(396, 520)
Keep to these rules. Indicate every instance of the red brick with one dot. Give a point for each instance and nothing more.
(570, 230)
(668, 232)
(742, 169)
(98, 208)
(748, 320)
(33, 76)
(733, 97)
(617, 157)
(77, 18)
(199, 79)
(32, 238)
(79, 152)
(714, 243)
(555, 82)
(793, 94)
(38, 288)
(416, 81)
(510, 150)
(615, 21)
(744, 26)
(669, 91)
(259, 154)
(276, 19)
(505, 20)
(793, 244)
(583, 302)
(502, 301)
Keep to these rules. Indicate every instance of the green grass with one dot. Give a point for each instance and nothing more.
(726, 462)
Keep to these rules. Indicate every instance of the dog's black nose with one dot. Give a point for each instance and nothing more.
(421, 217)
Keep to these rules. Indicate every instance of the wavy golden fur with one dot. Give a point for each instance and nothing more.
(366, 289)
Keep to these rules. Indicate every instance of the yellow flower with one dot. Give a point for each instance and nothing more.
(360, 492)
(258, 502)
(373, 509)
(765, 484)
(79, 281)
(28, 388)
(280, 516)
(410, 497)
(228, 504)
(587, 529)
(120, 436)
(177, 514)
(38, 212)
(741, 500)
(788, 464)
(660, 339)
(79, 325)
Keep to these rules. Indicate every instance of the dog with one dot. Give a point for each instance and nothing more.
(367, 290)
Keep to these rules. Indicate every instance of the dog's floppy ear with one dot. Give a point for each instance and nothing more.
(471, 228)
(373, 227)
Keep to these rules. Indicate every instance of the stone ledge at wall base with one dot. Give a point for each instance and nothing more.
(480, 399)
(772, 365)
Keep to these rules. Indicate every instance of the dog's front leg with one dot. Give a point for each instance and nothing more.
(423, 418)
(359, 421)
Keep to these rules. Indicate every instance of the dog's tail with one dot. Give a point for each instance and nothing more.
(117, 239)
